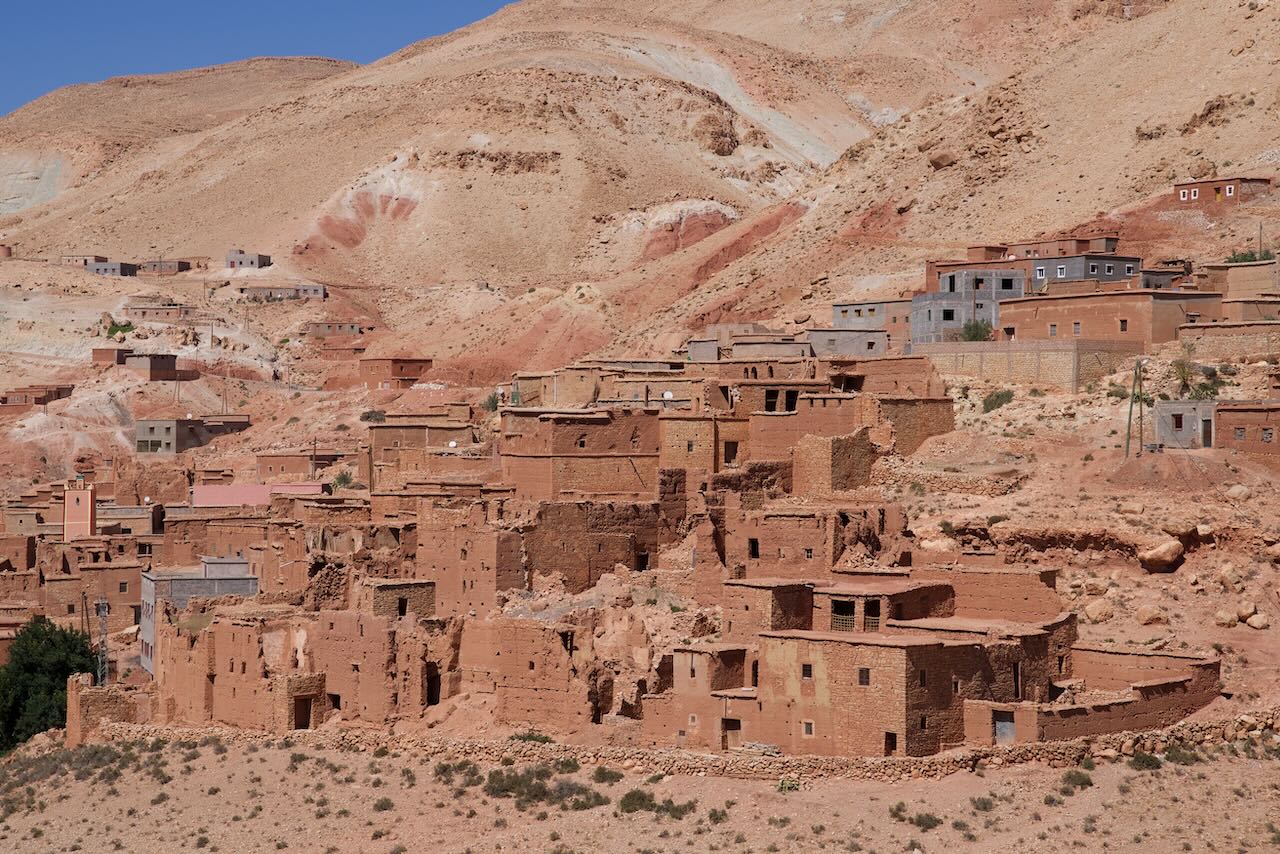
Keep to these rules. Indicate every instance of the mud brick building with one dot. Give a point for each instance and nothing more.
(1218, 191)
(392, 372)
(1143, 317)
(1250, 426)
(549, 453)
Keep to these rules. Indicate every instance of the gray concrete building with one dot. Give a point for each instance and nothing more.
(874, 314)
(112, 268)
(1075, 268)
(866, 343)
(216, 576)
(239, 259)
(963, 296)
(1185, 423)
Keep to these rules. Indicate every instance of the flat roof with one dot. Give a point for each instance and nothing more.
(975, 625)
(855, 638)
(876, 587)
(1222, 180)
(1154, 293)
(765, 583)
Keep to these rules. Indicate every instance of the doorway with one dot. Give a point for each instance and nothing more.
(730, 453)
(1002, 727)
(432, 680)
(890, 743)
(302, 713)
(730, 733)
(1206, 432)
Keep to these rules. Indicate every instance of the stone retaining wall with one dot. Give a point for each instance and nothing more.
(798, 768)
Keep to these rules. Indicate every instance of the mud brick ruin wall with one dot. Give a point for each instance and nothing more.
(582, 540)
(998, 594)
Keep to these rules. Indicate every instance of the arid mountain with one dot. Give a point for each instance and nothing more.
(570, 177)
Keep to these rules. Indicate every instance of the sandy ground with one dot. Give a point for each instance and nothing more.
(203, 795)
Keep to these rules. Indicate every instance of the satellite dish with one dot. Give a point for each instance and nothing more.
(453, 443)
(146, 500)
(667, 395)
(188, 416)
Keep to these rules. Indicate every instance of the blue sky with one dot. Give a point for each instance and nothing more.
(51, 43)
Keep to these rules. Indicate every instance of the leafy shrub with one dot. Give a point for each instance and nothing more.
(982, 804)
(638, 800)
(1249, 255)
(383, 804)
(343, 480)
(1179, 755)
(1077, 779)
(567, 765)
(997, 399)
(926, 821)
(491, 402)
(606, 775)
(1145, 762)
(976, 330)
(532, 735)
(373, 416)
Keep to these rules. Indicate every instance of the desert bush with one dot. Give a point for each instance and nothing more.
(606, 775)
(1144, 762)
(997, 399)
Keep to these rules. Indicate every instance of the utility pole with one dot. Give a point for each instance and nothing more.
(103, 609)
(1135, 394)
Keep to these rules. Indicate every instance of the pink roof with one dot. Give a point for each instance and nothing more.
(247, 494)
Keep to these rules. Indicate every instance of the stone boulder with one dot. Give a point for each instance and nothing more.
(942, 159)
(1239, 492)
(1150, 615)
(1165, 557)
(1258, 621)
(1225, 617)
(1245, 610)
(1099, 611)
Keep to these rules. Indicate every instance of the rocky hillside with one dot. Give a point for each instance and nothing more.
(576, 176)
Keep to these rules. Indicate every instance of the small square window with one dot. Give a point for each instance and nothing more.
(1239, 434)
(1053, 330)
(1268, 434)
(1062, 271)
(1128, 269)
(1195, 194)
(864, 675)
(1093, 269)
(808, 554)
(1177, 421)
(1124, 325)
(1231, 190)
(1182, 194)
(124, 587)
(1075, 328)
(948, 314)
(688, 446)
(808, 729)
(1039, 272)
(806, 671)
(1110, 270)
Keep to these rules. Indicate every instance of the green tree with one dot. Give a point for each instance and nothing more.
(33, 685)
(976, 330)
